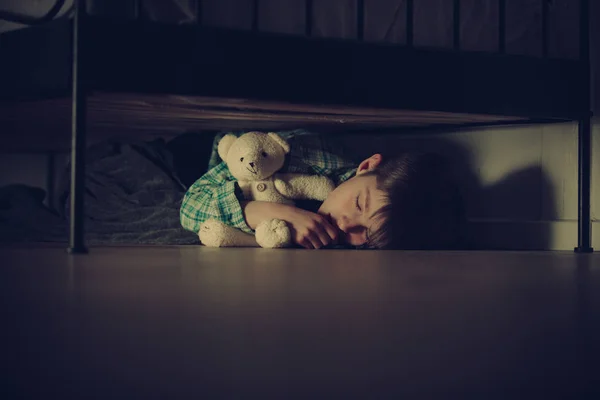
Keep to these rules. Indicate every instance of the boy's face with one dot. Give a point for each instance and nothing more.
(352, 204)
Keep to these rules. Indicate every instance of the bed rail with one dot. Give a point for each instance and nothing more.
(410, 16)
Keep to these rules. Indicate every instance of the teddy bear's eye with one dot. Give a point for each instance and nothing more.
(264, 154)
(242, 159)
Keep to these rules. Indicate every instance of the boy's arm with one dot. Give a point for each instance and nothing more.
(256, 212)
(213, 196)
(308, 229)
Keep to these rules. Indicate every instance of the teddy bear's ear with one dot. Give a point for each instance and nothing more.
(281, 141)
(224, 145)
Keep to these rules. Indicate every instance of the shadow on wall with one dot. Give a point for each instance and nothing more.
(502, 215)
(512, 198)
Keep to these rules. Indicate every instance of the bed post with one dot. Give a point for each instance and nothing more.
(78, 127)
(584, 225)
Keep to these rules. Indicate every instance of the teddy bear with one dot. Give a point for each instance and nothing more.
(253, 160)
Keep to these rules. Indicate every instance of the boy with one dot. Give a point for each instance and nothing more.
(405, 202)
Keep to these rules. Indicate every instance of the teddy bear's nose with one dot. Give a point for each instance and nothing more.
(252, 164)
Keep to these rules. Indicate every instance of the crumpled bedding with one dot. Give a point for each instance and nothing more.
(132, 196)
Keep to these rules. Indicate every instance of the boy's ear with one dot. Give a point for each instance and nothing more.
(224, 145)
(369, 164)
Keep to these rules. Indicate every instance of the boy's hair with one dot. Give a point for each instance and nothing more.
(424, 207)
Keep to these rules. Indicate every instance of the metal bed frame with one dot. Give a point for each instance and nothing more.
(559, 103)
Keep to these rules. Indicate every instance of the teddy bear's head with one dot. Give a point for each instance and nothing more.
(254, 155)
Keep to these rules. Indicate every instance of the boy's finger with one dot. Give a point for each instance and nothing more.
(324, 236)
(331, 229)
(306, 243)
(315, 240)
(332, 232)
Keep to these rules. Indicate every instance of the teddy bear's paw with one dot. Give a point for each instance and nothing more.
(213, 233)
(273, 233)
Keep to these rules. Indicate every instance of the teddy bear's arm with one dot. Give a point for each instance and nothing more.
(302, 186)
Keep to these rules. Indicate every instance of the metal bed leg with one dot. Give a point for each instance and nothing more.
(584, 223)
(77, 190)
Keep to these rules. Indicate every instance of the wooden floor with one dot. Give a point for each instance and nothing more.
(193, 322)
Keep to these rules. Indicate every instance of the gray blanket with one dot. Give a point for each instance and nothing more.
(132, 196)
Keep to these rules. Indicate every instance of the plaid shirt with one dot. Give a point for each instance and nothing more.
(217, 196)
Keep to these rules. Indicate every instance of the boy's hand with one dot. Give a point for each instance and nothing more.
(310, 230)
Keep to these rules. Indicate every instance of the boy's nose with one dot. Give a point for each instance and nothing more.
(345, 224)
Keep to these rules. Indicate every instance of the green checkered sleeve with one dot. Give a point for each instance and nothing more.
(213, 196)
